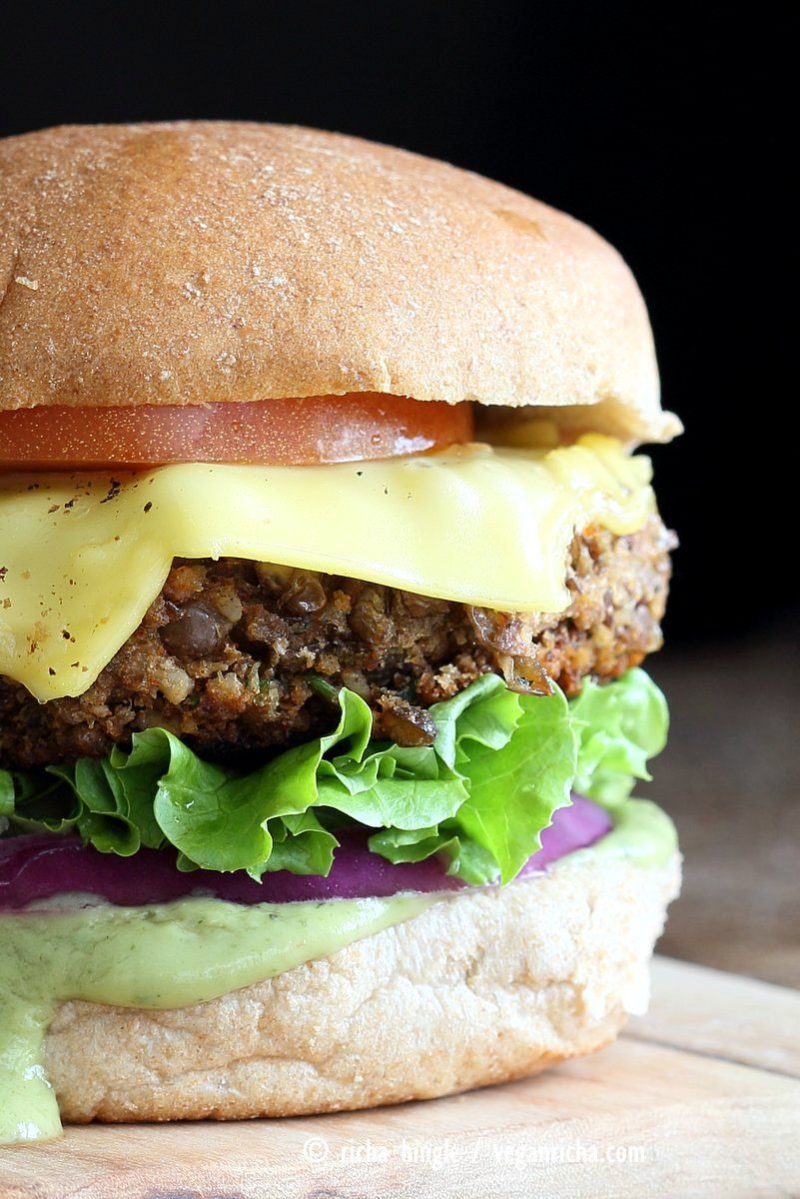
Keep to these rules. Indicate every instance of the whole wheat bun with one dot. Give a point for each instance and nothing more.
(486, 986)
(200, 262)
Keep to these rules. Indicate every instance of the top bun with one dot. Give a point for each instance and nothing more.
(198, 262)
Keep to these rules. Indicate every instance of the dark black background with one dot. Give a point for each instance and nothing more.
(660, 126)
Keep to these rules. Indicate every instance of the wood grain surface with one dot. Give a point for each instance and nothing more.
(699, 1098)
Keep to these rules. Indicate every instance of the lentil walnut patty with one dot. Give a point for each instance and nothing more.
(225, 655)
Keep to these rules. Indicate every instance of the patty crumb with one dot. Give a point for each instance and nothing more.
(226, 655)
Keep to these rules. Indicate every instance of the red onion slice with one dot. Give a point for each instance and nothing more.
(39, 866)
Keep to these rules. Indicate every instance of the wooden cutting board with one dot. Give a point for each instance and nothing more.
(699, 1098)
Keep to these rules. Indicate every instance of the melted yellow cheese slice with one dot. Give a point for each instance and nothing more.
(83, 556)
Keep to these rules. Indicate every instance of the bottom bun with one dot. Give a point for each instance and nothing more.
(485, 986)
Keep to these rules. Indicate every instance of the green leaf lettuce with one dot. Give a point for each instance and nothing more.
(479, 797)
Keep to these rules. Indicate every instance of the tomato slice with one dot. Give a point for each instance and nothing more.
(295, 432)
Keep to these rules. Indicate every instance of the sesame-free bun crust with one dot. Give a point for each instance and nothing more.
(485, 986)
(202, 262)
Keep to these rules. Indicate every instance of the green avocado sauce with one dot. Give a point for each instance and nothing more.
(643, 833)
(178, 954)
(165, 956)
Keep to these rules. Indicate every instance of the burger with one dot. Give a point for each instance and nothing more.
(326, 573)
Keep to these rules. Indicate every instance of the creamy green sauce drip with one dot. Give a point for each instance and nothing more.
(178, 954)
(643, 833)
(166, 956)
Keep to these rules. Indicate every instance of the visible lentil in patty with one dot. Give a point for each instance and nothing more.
(225, 654)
